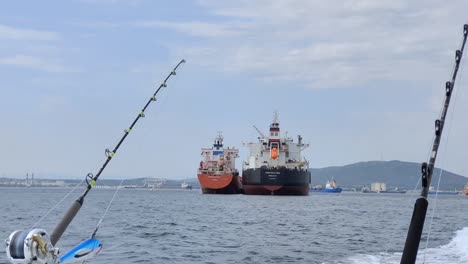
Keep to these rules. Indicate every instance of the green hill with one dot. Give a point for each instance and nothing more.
(394, 173)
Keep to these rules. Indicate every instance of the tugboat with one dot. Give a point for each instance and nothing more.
(275, 165)
(365, 189)
(439, 192)
(217, 173)
(186, 186)
(330, 187)
(396, 190)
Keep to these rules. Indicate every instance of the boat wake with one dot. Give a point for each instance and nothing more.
(456, 251)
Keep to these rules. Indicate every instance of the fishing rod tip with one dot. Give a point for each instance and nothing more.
(182, 61)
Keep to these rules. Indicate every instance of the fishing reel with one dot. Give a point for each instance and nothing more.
(31, 246)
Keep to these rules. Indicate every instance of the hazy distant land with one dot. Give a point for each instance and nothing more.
(394, 173)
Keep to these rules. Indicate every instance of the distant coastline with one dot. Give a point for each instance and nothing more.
(396, 174)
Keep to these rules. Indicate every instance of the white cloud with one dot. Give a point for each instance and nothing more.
(35, 63)
(95, 25)
(327, 44)
(42, 49)
(128, 3)
(50, 103)
(98, 1)
(201, 29)
(13, 33)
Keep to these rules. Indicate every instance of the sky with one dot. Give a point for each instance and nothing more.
(360, 80)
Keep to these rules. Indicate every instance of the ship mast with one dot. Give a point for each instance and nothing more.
(275, 129)
(219, 141)
(410, 251)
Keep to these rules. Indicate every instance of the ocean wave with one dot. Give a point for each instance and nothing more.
(455, 252)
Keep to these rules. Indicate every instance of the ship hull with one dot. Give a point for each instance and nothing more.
(399, 192)
(229, 183)
(280, 181)
(335, 190)
(443, 193)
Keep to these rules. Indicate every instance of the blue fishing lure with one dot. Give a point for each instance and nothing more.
(84, 251)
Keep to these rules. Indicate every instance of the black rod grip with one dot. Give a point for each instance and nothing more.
(415, 231)
(66, 220)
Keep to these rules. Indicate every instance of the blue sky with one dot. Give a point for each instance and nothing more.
(360, 80)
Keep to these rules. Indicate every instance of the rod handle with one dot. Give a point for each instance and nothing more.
(66, 220)
(415, 231)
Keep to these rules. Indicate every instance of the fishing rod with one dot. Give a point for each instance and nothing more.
(413, 238)
(35, 245)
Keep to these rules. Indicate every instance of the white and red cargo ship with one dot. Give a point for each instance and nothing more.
(217, 173)
(275, 165)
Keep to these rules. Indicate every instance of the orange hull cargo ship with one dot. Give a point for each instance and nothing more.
(217, 173)
(465, 190)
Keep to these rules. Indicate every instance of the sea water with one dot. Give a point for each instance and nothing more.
(185, 226)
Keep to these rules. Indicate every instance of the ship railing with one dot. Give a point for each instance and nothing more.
(295, 162)
(297, 166)
(216, 172)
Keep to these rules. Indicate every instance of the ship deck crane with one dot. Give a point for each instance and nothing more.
(260, 132)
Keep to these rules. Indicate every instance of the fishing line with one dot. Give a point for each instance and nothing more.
(107, 209)
(443, 158)
(57, 204)
(92, 246)
(434, 209)
(418, 218)
(412, 195)
(33, 246)
(91, 178)
(410, 198)
(416, 187)
(413, 192)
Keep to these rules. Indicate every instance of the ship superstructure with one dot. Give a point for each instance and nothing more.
(275, 165)
(217, 173)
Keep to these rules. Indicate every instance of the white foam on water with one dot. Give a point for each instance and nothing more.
(455, 252)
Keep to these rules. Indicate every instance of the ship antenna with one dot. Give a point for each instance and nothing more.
(413, 238)
(276, 117)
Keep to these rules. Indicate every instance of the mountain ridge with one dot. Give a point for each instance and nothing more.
(394, 173)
